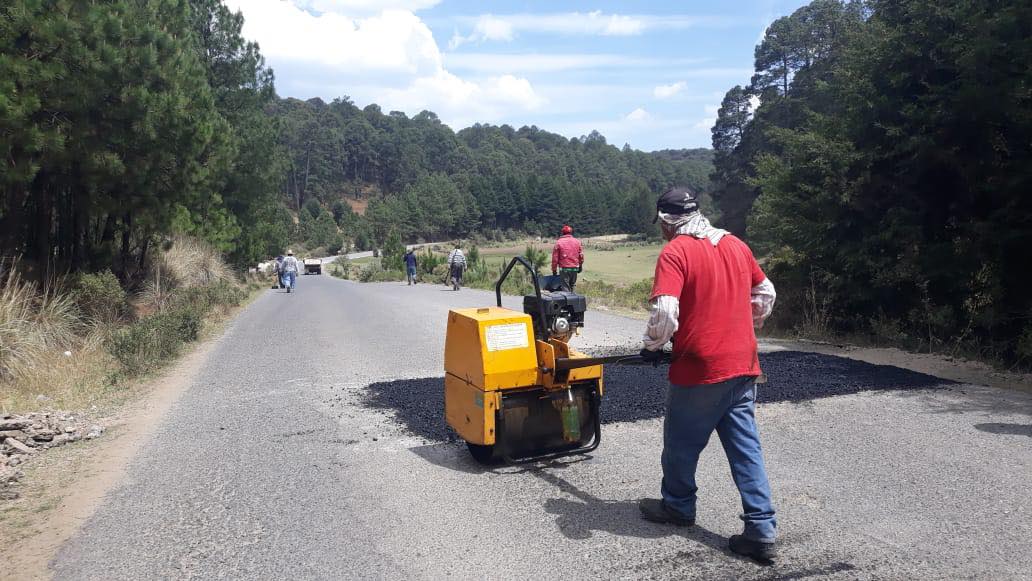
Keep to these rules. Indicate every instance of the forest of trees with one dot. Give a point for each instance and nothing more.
(880, 159)
(124, 121)
(426, 181)
(886, 172)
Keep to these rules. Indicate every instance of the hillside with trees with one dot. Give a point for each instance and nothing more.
(428, 182)
(124, 122)
(886, 171)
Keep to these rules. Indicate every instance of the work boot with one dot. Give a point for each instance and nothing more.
(761, 552)
(655, 510)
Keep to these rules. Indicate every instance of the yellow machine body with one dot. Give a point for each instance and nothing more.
(490, 351)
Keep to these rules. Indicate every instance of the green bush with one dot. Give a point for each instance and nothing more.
(427, 262)
(373, 272)
(101, 297)
(341, 268)
(151, 341)
(148, 343)
(336, 245)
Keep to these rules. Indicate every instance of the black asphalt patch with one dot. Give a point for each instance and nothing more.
(639, 392)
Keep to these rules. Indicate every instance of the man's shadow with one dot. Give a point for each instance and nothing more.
(580, 517)
(584, 514)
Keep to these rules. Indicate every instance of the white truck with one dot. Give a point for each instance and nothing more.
(313, 266)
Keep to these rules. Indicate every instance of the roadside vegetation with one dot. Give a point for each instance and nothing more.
(885, 173)
(78, 340)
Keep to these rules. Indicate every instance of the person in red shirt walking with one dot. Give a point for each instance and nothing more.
(708, 296)
(567, 258)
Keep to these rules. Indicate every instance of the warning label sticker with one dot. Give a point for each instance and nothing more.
(504, 337)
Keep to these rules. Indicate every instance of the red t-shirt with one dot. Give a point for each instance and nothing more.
(715, 340)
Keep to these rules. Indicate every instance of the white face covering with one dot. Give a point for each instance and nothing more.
(694, 224)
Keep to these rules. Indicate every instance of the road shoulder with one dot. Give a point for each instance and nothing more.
(64, 487)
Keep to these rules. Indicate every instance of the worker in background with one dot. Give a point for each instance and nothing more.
(278, 267)
(567, 258)
(290, 268)
(410, 266)
(708, 296)
(456, 266)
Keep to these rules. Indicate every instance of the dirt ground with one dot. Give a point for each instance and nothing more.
(63, 487)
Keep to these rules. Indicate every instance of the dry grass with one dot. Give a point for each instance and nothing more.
(38, 326)
(189, 263)
(34, 322)
(74, 382)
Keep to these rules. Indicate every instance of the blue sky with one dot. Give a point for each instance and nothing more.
(651, 74)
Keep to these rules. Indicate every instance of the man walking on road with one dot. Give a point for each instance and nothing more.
(410, 266)
(567, 258)
(456, 266)
(708, 296)
(290, 269)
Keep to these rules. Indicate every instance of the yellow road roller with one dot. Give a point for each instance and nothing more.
(514, 390)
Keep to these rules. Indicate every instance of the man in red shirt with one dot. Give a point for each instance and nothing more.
(567, 258)
(708, 295)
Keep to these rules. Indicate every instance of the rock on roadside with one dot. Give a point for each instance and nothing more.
(25, 436)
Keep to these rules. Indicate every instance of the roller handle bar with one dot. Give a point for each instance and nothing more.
(537, 289)
(630, 359)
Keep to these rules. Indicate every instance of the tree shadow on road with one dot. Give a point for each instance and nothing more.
(1006, 429)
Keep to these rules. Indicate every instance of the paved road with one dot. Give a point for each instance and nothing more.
(273, 466)
(368, 253)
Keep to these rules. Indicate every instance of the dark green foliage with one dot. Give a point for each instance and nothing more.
(393, 253)
(891, 158)
(313, 208)
(427, 182)
(100, 297)
(123, 121)
(427, 262)
(336, 244)
(153, 340)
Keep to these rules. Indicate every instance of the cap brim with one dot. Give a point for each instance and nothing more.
(655, 218)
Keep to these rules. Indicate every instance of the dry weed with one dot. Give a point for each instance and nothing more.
(190, 262)
(33, 324)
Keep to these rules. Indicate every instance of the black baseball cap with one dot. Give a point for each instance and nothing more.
(678, 200)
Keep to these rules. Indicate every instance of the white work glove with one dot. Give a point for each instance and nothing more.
(762, 301)
(662, 322)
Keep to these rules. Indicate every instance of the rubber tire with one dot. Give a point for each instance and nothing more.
(483, 454)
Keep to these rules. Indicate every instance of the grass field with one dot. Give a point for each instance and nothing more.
(625, 264)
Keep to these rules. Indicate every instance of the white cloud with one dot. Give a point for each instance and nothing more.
(667, 91)
(366, 6)
(638, 114)
(462, 102)
(596, 23)
(710, 119)
(550, 63)
(392, 52)
(487, 28)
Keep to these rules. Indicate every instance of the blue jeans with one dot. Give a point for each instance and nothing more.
(693, 412)
(290, 279)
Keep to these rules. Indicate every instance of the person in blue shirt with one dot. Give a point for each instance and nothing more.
(410, 266)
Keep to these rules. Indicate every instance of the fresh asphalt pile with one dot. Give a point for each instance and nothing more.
(639, 392)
